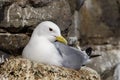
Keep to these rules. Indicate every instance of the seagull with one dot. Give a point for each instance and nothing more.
(48, 46)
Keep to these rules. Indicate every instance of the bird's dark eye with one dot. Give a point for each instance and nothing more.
(50, 29)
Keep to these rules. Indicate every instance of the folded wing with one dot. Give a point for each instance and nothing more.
(72, 57)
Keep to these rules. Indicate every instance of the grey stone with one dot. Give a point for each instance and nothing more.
(116, 74)
(104, 64)
(3, 57)
(75, 4)
(99, 20)
(40, 3)
(21, 14)
(13, 43)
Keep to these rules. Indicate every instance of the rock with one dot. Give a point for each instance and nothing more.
(112, 74)
(116, 74)
(74, 31)
(21, 69)
(72, 4)
(99, 21)
(2, 31)
(74, 34)
(75, 5)
(13, 43)
(98, 24)
(104, 65)
(108, 74)
(3, 57)
(22, 14)
(40, 3)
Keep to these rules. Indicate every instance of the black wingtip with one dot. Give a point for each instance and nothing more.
(94, 56)
(89, 51)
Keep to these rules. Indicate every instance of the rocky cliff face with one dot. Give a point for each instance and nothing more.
(100, 21)
(96, 24)
(22, 69)
(100, 26)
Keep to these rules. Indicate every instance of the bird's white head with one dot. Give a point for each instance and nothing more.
(50, 31)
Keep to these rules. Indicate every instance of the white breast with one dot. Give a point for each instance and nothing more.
(43, 51)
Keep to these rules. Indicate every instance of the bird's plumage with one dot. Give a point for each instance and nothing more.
(43, 48)
(72, 57)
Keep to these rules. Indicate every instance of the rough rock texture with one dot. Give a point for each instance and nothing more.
(13, 43)
(75, 4)
(97, 22)
(100, 20)
(21, 14)
(105, 64)
(22, 69)
(116, 75)
(3, 57)
(113, 74)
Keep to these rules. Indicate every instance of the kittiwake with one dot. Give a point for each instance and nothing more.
(49, 47)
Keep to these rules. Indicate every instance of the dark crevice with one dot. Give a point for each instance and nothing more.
(118, 3)
(4, 50)
(79, 4)
(14, 30)
(38, 4)
(2, 9)
(13, 52)
(65, 31)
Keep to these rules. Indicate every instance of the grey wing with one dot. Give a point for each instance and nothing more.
(72, 58)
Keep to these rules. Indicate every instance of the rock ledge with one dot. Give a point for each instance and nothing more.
(22, 69)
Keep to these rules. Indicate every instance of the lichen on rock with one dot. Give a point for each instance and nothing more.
(23, 69)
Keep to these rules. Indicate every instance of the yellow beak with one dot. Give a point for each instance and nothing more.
(61, 39)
